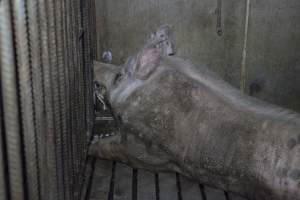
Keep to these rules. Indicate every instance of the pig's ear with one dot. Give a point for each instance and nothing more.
(147, 62)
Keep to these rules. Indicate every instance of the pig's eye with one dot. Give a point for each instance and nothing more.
(117, 78)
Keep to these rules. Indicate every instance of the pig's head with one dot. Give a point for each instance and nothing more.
(120, 82)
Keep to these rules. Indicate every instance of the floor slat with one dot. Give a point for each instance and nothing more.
(101, 180)
(214, 194)
(123, 182)
(189, 189)
(146, 185)
(168, 186)
(235, 197)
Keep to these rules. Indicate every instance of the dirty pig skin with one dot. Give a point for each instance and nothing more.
(177, 117)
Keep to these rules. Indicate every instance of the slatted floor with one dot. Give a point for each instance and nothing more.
(107, 180)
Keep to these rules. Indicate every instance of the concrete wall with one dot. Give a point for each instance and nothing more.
(272, 64)
(274, 51)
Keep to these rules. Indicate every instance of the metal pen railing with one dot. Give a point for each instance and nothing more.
(46, 81)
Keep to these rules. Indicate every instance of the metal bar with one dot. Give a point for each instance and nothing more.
(10, 102)
(26, 95)
(38, 89)
(56, 96)
(70, 89)
(67, 131)
(73, 93)
(50, 179)
(61, 91)
(3, 161)
(74, 97)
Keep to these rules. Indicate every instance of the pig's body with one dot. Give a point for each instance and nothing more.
(190, 121)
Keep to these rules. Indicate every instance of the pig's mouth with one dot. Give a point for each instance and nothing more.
(107, 124)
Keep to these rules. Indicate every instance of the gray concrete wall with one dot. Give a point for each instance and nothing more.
(272, 64)
(274, 51)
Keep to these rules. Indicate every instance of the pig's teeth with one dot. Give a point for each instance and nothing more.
(95, 139)
(101, 136)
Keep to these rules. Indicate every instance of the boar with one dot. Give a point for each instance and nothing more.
(177, 117)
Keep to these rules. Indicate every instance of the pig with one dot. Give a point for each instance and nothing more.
(174, 116)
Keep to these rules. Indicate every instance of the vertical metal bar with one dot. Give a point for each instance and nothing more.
(91, 76)
(83, 83)
(74, 97)
(82, 133)
(61, 8)
(87, 64)
(10, 102)
(81, 130)
(56, 96)
(51, 177)
(70, 87)
(26, 95)
(3, 161)
(72, 93)
(80, 88)
(61, 89)
(38, 92)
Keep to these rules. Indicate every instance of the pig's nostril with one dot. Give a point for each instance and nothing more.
(97, 84)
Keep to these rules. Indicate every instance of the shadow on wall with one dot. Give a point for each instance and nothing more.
(212, 33)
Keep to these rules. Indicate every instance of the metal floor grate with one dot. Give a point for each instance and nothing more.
(108, 180)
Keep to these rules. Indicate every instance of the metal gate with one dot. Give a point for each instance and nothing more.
(46, 48)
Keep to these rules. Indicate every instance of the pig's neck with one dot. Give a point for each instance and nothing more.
(124, 90)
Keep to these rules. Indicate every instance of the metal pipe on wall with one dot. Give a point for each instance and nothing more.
(244, 52)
